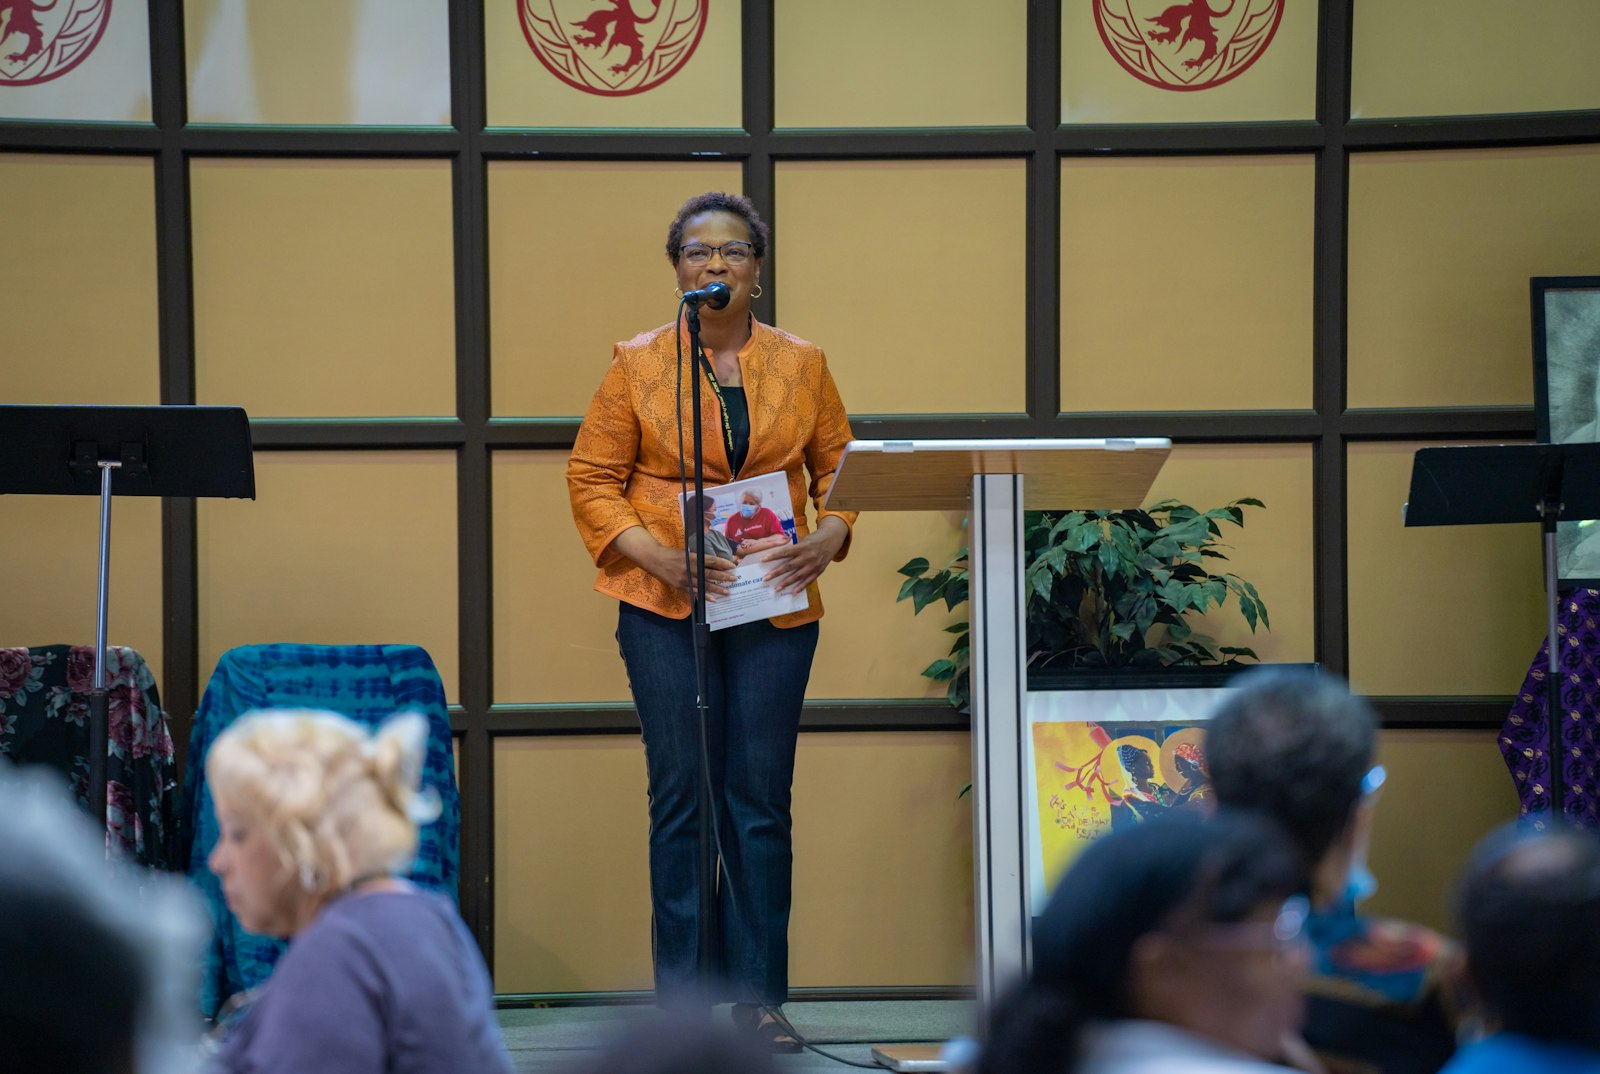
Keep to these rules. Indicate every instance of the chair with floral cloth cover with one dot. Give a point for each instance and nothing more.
(44, 719)
(367, 683)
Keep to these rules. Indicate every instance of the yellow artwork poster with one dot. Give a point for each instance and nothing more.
(1073, 808)
(1092, 778)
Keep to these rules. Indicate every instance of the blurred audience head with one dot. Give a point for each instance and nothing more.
(1177, 920)
(679, 1044)
(1298, 746)
(98, 960)
(1530, 917)
(310, 804)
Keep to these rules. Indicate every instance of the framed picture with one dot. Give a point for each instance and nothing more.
(1566, 385)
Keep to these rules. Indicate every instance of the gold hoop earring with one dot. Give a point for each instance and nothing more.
(677, 292)
(757, 292)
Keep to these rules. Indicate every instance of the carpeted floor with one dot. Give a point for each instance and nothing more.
(549, 1039)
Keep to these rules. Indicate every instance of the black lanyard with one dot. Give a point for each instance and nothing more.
(727, 425)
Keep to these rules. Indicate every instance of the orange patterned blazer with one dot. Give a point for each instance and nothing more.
(624, 466)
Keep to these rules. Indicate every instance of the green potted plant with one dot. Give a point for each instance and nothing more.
(1106, 590)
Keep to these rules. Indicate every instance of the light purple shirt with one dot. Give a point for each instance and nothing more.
(388, 982)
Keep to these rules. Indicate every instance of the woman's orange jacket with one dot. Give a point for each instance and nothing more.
(624, 466)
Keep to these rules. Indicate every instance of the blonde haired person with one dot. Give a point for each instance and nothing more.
(317, 814)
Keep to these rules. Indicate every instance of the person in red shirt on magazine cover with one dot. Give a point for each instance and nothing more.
(754, 528)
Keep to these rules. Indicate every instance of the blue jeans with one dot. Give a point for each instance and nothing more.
(757, 678)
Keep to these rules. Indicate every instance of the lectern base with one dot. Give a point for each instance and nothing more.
(910, 1057)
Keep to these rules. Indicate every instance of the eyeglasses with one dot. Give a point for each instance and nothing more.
(733, 253)
(1283, 933)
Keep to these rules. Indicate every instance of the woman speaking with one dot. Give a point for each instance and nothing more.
(770, 406)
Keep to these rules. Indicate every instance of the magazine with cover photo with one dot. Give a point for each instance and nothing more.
(743, 521)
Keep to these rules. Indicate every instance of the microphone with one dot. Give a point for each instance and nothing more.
(716, 295)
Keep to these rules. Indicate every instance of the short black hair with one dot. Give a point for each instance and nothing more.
(76, 979)
(1530, 916)
(1125, 885)
(1294, 745)
(716, 201)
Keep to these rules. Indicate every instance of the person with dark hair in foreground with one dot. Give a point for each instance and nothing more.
(1297, 746)
(98, 960)
(1530, 914)
(1170, 946)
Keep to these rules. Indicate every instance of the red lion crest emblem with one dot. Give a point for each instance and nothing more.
(611, 47)
(42, 41)
(1192, 45)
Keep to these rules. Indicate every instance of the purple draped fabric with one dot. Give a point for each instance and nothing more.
(1525, 737)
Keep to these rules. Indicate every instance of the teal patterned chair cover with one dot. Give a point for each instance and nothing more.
(367, 683)
(44, 720)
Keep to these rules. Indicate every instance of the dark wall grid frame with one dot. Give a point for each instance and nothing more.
(474, 434)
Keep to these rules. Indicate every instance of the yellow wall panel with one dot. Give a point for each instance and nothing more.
(1273, 551)
(951, 64)
(554, 636)
(572, 909)
(1435, 610)
(313, 62)
(1441, 248)
(51, 548)
(1186, 283)
(79, 279)
(870, 646)
(883, 861)
(909, 274)
(1446, 790)
(1280, 85)
(324, 288)
(577, 261)
(571, 865)
(338, 548)
(704, 92)
(1472, 57)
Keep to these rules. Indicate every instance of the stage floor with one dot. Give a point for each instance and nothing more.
(548, 1039)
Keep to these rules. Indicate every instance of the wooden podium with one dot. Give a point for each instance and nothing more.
(996, 480)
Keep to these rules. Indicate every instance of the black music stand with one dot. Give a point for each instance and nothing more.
(124, 451)
(1543, 483)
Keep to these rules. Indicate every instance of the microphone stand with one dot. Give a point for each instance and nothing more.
(710, 948)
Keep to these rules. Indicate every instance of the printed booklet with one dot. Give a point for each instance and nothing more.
(742, 521)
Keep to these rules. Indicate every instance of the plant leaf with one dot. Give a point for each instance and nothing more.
(956, 592)
(923, 591)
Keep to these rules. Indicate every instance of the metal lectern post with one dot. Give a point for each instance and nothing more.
(126, 451)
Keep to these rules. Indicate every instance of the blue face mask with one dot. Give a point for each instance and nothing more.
(748, 510)
(1360, 884)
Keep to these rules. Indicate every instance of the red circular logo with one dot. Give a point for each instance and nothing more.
(1187, 46)
(608, 46)
(40, 41)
